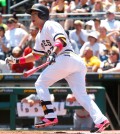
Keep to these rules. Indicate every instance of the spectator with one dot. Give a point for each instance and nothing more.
(15, 36)
(4, 68)
(106, 41)
(89, 26)
(84, 8)
(61, 7)
(91, 3)
(92, 62)
(1, 22)
(3, 5)
(74, 4)
(77, 6)
(28, 49)
(69, 23)
(104, 38)
(118, 41)
(33, 31)
(4, 46)
(73, 43)
(93, 44)
(104, 55)
(117, 67)
(20, 68)
(97, 23)
(108, 4)
(117, 3)
(113, 5)
(81, 118)
(18, 24)
(112, 36)
(79, 35)
(54, 3)
(111, 63)
(45, 3)
(110, 23)
(98, 8)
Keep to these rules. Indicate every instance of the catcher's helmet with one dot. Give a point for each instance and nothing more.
(43, 11)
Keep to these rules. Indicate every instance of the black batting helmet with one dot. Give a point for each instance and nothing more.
(43, 12)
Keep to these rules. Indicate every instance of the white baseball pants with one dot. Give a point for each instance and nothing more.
(72, 68)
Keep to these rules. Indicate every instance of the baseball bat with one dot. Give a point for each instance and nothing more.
(33, 70)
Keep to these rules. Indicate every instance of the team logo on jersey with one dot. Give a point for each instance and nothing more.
(47, 43)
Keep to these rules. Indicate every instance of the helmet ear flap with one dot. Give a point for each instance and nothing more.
(39, 15)
(42, 16)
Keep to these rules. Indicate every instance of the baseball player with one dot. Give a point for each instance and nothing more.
(52, 41)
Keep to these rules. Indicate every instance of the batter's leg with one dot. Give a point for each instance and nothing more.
(78, 86)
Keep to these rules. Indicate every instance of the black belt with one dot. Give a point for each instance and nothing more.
(68, 50)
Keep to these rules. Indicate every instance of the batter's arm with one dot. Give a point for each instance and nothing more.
(58, 46)
(31, 57)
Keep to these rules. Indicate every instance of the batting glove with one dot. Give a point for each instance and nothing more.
(11, 60)
(51, 58)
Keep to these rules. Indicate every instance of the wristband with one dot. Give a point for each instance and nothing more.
(36, 57)
(21, 60)
(59, 44)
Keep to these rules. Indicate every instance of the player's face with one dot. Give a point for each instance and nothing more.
(35, 19)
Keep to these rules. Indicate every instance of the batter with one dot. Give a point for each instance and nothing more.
(64, 63)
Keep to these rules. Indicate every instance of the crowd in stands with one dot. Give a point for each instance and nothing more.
(96, 40)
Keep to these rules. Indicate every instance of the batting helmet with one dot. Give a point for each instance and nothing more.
(43, 12)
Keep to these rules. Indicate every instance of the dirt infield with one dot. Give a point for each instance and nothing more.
(54, 132)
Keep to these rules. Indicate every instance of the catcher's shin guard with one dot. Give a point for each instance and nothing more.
(47, 121)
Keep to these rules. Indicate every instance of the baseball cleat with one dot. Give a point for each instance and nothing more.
(46, 122)
(98, 128)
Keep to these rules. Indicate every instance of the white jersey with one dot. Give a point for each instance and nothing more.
(45, 39)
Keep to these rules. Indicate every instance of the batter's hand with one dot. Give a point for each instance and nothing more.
(51, 58)
(10, 60)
